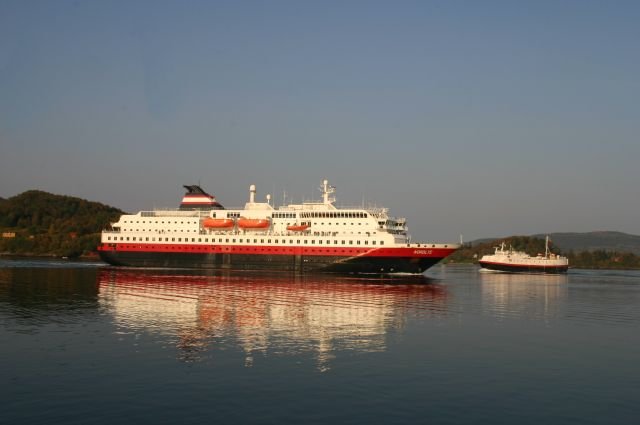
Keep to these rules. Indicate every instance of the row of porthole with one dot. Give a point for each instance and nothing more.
(335, 242)
(192, 248)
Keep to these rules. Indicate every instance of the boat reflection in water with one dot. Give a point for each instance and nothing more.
(523, 295)
(267, 314)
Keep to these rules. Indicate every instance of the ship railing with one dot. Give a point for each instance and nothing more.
(166, 212)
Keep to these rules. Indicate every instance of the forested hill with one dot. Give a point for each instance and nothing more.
(582, 258)
(41, 223)
(588, 241)
(596, 241)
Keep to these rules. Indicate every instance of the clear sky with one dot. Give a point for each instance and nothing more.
(481, 118)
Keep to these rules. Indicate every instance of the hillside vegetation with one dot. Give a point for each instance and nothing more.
(41, 223)
(588, 259)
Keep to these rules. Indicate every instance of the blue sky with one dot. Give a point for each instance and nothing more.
(481, 118)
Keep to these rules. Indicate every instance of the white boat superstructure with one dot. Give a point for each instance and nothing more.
(509, 260)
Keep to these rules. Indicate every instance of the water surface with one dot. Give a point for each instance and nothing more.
(86, 343)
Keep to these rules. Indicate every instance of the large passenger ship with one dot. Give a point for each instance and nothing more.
(308, 237)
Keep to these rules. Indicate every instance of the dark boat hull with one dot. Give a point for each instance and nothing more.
(302, 263)
(522, 268)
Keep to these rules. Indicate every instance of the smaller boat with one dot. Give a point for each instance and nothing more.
(254, 223)
(298, 227)
(217, 223)
(508, 260)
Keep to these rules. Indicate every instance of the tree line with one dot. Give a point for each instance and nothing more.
(40, 223)
(596, 259)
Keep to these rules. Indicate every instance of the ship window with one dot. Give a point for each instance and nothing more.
(320, 242)
(179, 239)
(234, 241)
(305, 241)
(255, 241)
(298, 241)
(226, 240)
(350, 242)
(173, 239)
(342, 242)
(357, 242)
(366, 242)
(268, 240)
(220, 240)
(373, 242)
(313, 242)
(199, 239)
(146, 239)
(127, 237)
(207, 240)
(291, 241)
(381, 242)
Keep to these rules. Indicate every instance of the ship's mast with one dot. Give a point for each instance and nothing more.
(546, 247)
(327, 190)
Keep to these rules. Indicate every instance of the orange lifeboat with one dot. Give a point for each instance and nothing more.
(217, 223)
(253, 223)
(298, 227)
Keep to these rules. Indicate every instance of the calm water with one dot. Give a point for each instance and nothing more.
(89, 344)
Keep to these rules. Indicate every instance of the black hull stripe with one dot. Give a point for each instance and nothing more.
(524, 268)
(302, 263)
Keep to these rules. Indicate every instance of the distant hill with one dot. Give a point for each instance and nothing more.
(596, 241)
(591, 241)
(588, 251)
(42, 223)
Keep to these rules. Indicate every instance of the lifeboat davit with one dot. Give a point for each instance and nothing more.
(298, 227)
(217, 223)
(253, 223)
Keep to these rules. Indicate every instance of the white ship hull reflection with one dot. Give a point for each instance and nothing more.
(278, 314)
(521, 295)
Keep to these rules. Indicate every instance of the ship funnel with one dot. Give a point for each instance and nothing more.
(252, 193)
(197, 198)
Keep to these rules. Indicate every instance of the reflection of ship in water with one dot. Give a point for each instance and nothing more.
(535, 296)
(267, 314)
